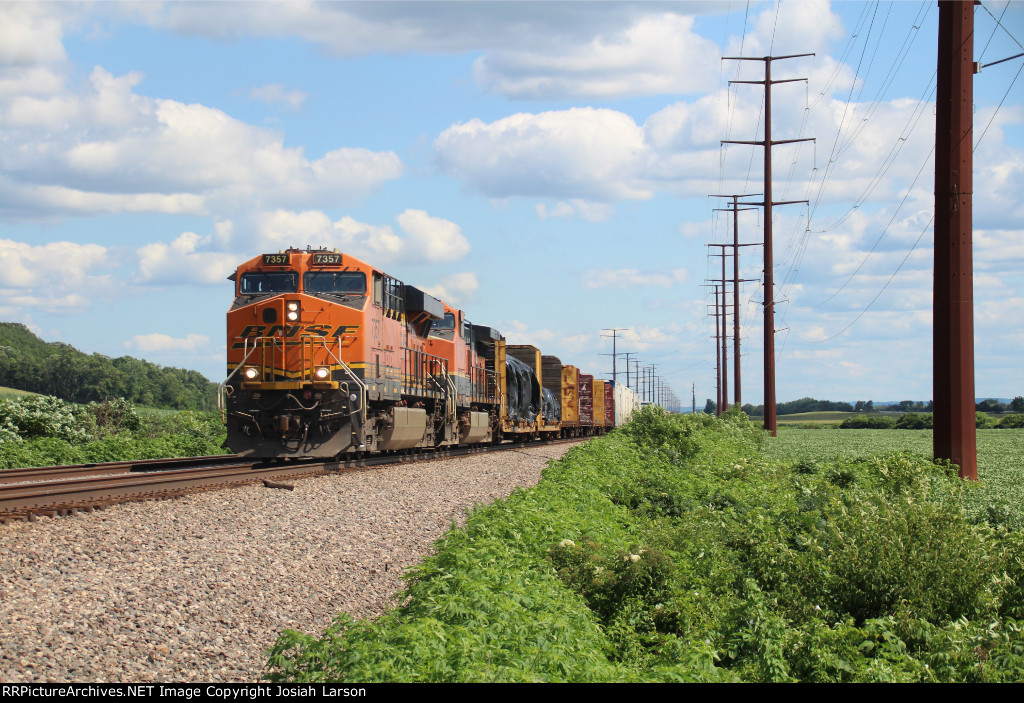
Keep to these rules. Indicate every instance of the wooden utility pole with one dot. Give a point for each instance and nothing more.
(954, 436)
(769, 274)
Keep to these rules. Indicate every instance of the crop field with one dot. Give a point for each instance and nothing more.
(1000, 455)
(825, 417)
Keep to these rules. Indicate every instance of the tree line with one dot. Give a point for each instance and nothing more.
(812, 405)
(53, 368)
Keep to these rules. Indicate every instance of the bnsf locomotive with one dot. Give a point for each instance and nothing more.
(328, 355)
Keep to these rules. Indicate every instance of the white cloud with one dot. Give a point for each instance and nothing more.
(456, 289)
(29, 34)
(577, 207)
(109, 149)
(587, 153)
(158, 342)
(427, 238)
(633, 278)
(789, 28)
(436, 239)
(70, 304)
(642, 58)
(186, 260)
(58, 265)
(554, 342)
(529, 49)
(272, 93)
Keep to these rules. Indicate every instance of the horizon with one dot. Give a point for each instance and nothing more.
(545, 167)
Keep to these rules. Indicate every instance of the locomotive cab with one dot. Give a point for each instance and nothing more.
(290, 388)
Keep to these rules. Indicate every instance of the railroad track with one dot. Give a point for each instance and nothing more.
(55, 491)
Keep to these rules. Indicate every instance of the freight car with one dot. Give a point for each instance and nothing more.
(328, 355)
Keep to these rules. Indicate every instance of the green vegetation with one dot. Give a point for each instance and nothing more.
(28, 363)
(674, 550)
(6, 392)
(814, 419)
(46, 431)
(999, 493)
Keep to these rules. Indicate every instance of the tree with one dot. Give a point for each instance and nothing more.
(1017, 404)
(990, 405)
(710, 407)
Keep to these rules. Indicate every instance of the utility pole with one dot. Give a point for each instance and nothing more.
(627, 355)
(693, 397)
(651, 385)
(614, 332)
(719, 336)
(954, 437)
(735, 209)
(769, 278)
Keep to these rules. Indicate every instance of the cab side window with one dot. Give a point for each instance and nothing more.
(378, 289)
(389, 293)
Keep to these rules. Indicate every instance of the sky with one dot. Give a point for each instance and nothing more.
(545, 166)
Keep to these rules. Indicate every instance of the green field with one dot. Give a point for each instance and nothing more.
(1000, 454)
(829, 417)
(6, 392)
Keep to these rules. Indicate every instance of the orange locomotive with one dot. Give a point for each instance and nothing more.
(328, 355)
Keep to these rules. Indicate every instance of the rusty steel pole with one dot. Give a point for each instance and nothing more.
(736, 280)
(954, 436)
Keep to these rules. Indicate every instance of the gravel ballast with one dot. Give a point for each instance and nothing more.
(197, 588)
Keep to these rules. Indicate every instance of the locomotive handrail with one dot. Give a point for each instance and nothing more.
(352, 375)
(261, 343)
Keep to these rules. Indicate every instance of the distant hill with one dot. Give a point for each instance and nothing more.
(54, 368)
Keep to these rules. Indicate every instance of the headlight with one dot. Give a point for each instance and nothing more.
(251, 373)
(322, 373)
(291, 310)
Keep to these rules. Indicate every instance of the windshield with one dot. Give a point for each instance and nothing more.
(271, 282)
(338, 282)
(448, 323)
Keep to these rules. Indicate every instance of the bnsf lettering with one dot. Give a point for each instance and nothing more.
(293, 330)
(289, 331)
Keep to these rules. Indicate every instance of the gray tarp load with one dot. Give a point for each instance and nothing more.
(552, 408)
(522, 390)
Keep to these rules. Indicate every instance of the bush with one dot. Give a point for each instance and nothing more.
(1014, 421)
(914, 421)
(113, 416)
(868, 422)
(44, 416)
(608, 582)
(981, 420)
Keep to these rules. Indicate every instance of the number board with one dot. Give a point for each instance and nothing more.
(275, 260)
(326, 259)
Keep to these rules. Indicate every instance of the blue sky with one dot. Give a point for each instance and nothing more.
(545, 166)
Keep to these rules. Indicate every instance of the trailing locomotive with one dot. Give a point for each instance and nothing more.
(328, 355)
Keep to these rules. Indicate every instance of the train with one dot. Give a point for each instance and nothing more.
(329, 356)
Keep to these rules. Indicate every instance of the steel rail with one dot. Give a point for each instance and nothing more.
(68, 495)
(47, 473)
